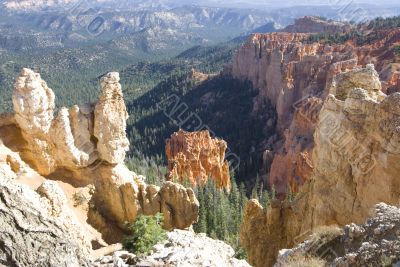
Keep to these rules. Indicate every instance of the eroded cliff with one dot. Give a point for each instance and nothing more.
(197, 157)
(355, 167)
(75, 160)
(295, 75)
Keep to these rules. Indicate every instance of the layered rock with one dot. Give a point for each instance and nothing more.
(197, 157)
(374, 243)
(295, 76)
(84, 147)
(355, 159)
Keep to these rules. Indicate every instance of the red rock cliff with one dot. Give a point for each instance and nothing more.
(295, 76)
(197, 157)
(355, 157)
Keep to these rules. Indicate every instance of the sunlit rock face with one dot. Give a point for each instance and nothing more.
(369, 244)
(110, 121)
(85, 146)
(357, 147)
(296, 75)
(197, 157)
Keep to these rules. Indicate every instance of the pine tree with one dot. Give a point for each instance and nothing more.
(273, 193)
(265, 199)
(254, 192)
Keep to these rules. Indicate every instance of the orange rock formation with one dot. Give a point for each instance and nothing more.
(295, 76)
(355, 157)
(197, 157)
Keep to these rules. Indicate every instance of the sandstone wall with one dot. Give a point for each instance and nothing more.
(197, 157)
(357, 147)
(296, 76)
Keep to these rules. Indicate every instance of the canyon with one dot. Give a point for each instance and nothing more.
(337, 125)
(355, 153)
(295, 75)
(327, 151)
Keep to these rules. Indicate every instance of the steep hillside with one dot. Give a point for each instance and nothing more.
(208, 103)
(73, 73)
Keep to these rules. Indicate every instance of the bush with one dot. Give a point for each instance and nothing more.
(309, 261)
(397, 50)
(146, 232)
(326, 234)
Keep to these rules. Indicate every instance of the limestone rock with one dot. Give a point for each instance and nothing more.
(367, 79)
(197, 157)
(29, 235)
(110, 120)
(84, 146)
(78, 136)
(183, 248)
(63, 142)
(34, 106)
(292, 75)
(296, 77)
(71, 137)
(33, 102)
(374, 243)
(357, 147)
(179, 206)
(120, 197)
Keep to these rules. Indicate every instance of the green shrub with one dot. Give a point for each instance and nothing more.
(301, 260)
(397, 50)
(146, 232)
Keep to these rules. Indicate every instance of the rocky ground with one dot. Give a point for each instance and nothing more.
(374, 243)
(183, 248)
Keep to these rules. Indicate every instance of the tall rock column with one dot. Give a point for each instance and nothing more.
(110, 117)
(34, 105)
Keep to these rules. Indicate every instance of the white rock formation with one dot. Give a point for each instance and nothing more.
(66, 141)
(86, 145)
(183, 248)
(33, 103)
(34, 106)
(110, 120)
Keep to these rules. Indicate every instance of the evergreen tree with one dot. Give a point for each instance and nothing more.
(254, 192)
